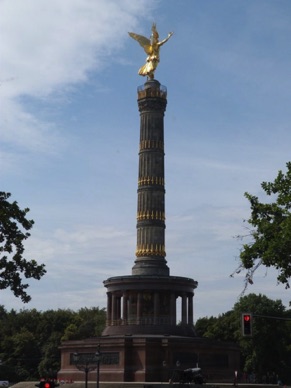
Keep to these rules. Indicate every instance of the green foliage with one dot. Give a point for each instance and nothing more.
(270, 230)
(260, 354)
(30, 340)
(222, 328)
(269, 348)
(14, 228)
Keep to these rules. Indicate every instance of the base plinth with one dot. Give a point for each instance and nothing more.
(152, 358)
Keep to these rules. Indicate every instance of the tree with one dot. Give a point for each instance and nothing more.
(260, 355)
(30, 340)
(267, 352)
(14, 228)
(222, 328)
(270, 231)
(87, 323)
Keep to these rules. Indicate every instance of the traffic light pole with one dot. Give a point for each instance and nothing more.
(270, 317)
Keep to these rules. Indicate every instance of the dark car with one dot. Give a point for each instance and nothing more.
(191, 375)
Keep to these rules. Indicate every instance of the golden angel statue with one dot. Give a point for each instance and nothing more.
(152, 48)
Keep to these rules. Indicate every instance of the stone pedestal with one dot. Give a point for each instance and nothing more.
(143, 358)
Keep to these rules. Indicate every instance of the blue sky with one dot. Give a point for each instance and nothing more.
(69, 128)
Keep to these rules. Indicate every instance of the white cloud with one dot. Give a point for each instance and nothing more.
(26, 131)
(91, 242)
(49, 46)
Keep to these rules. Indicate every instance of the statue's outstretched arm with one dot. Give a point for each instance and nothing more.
(166, 39)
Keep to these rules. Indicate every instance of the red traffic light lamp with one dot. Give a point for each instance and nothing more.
(47, 384)
(247, 322)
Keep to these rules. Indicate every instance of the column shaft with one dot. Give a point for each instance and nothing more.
(190, 309)
(184, 309)
(150, 251)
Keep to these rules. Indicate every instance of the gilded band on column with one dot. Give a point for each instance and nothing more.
(150, 250)
(151, 215)
(151, 181)
(151, 144)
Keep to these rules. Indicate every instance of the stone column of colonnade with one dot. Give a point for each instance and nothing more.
(120, 310)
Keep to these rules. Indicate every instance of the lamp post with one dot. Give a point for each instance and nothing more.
(98, 358)
(163, 377)
(86, 362)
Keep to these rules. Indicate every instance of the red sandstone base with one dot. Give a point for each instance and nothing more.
(151, 358)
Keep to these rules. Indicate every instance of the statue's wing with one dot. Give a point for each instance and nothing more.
(143, 41)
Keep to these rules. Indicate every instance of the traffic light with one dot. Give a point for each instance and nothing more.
(247, 322)
(47, 384)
